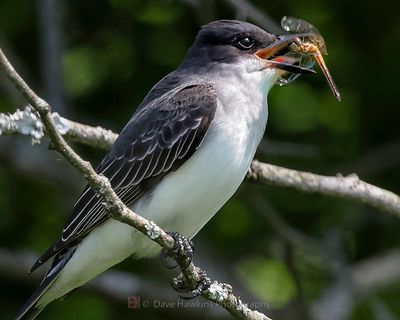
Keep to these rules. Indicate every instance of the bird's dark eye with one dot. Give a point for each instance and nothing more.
(245, 43)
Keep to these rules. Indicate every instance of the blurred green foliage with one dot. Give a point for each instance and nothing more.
(114, 51)
(268, 279)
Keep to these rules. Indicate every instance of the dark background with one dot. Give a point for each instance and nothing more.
(294, 256)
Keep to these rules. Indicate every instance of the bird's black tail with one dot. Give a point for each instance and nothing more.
(30, 309)
(29, 314)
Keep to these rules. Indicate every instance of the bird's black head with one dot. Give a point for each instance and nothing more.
(227, 41)
(233, 36)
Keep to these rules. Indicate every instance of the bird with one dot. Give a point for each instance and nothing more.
(181, 156)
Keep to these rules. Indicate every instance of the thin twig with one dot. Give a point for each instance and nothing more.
(349, 187)
(218, 292)
(27, 122)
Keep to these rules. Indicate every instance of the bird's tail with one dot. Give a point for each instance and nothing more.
(29, 314)
(31, 308)
(35, 304)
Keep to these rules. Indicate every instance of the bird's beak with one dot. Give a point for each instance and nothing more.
(274, 54)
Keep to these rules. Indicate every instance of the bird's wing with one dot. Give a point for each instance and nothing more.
(157, 140)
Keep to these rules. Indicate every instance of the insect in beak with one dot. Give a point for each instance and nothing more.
(313, 45)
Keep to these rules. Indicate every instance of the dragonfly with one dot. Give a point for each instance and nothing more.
(313, 45)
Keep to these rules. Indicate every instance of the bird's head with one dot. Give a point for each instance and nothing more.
(235, 42)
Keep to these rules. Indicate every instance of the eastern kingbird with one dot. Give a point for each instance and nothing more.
(180, 157)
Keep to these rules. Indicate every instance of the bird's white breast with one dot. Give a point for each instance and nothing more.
(186, 199)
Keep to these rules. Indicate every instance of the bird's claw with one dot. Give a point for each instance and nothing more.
(182, 251)
(179, 285)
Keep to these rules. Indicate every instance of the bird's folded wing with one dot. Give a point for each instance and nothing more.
(158, 139)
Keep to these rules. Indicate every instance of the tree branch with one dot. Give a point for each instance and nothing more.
(27, 122)
(349, 187)
(218, 293)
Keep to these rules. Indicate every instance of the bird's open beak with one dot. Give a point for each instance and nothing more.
(274, 54)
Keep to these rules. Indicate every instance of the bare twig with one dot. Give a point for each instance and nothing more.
(27, 122)
(349, 187)
(218, 292)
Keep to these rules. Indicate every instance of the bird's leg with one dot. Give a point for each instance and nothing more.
(182, 251)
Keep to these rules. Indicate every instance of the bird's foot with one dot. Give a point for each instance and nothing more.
(179, 284)
(182, 251)
(182, 254)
